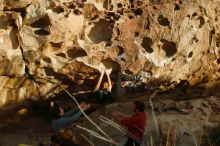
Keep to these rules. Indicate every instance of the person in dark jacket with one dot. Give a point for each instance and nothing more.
(112, 92)
(115, 91)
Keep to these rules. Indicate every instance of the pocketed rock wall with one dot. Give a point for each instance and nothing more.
(42, 40)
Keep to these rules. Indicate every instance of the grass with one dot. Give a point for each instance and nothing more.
(208, 137)
(170, 138)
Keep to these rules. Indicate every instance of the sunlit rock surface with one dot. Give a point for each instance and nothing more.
(160, 40)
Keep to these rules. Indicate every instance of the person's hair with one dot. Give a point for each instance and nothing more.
(55, 139)
(139, 105)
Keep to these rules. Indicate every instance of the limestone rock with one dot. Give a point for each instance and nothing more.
(12, 63)
(8, 4)
(16, 90)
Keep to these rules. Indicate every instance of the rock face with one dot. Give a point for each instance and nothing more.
(158, 39)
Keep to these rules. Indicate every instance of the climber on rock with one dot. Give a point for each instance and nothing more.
(135, 123)
(112, 92)
(62, 119)
(114, 89)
